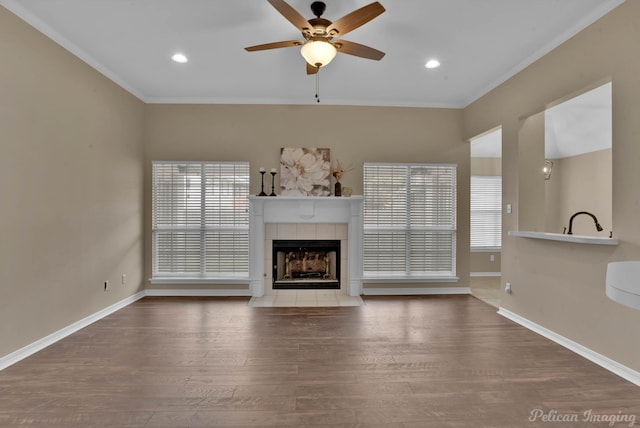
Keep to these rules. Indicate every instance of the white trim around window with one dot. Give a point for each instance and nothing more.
(200, 222)
(486, 213)
(409, 222)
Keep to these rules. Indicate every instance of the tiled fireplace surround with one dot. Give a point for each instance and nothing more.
(285, 217)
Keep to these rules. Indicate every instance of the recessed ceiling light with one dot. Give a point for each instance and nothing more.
(179, 58)
(432, 63)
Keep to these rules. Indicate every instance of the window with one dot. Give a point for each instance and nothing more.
(486, 212)
(409, 220)
(200, 220)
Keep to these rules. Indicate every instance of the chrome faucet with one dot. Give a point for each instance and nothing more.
(598, 227)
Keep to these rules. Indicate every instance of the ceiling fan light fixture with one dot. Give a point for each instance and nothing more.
(318, 53)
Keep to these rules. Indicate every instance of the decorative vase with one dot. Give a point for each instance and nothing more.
(337, 190)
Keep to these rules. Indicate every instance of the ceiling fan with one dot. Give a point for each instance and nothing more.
(318, 46)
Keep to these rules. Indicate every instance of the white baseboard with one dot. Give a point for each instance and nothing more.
(40, 344)
(604, 362)
(197, 292)
(415, 291)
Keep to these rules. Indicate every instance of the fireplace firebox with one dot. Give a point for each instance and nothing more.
(306, 264)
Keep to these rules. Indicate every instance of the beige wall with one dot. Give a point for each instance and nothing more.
(556, 284)
(70, 188)
(354, 134)
(531, 181)
(480, 261)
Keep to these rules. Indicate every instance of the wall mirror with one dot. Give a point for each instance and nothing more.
(565, 165)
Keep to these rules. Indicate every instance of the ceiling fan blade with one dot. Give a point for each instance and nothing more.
(354, 19)
(274, 45)
(356, 49)
(292, 15)
(311, 69)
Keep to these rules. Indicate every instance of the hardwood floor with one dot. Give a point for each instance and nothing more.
(435, 361)
(487, 289)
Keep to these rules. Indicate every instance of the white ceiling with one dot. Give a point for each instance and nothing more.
(479, 43)
(582, 124)
(488, 145)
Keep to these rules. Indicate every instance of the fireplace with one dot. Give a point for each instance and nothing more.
(306, 264)
(304, 218)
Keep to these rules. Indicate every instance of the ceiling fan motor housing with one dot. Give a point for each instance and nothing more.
(319, 26)
(318, 8)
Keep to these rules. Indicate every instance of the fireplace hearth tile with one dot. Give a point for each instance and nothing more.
(284, 301)
(351, 301)
(328, 301)
(306, 298)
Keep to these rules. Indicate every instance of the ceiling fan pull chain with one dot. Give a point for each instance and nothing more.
(318, 86)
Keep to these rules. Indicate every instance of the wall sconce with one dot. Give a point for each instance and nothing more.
(546, 169)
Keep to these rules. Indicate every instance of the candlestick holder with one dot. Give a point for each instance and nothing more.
(262, 185)
(273, 185)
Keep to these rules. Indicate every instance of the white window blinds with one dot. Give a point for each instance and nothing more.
(200, 219)
(486, 212)
(409, 220)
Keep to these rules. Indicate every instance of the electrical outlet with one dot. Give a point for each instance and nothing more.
(509, 209)
(492, 258)
(106, 285)
(124, 278)
(507, 288)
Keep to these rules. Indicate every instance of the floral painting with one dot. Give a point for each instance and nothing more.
(305, 172)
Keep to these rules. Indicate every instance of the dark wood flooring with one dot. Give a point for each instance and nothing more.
(437, 361)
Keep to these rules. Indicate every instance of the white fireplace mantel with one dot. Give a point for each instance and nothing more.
(305, 209)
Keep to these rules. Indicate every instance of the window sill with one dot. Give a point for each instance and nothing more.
(187, 280)
(408, 279)
(486, 249)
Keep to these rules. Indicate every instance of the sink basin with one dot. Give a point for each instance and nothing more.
(623, 283)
